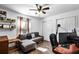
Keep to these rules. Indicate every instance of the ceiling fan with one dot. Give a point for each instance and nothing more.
(40, 8)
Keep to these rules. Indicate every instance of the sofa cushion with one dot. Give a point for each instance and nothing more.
(28, 36)
(27, 42)
(36, 38)
(33, 35)
(36, 34)
(22, 37)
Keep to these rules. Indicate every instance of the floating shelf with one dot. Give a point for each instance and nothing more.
(6, 23)
(7, 28)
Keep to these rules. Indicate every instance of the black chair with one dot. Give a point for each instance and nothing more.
(53, 41)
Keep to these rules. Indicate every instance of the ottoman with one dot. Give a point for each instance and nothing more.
(27, 45)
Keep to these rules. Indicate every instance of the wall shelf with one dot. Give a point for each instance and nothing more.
(8, 27)
(6, 23)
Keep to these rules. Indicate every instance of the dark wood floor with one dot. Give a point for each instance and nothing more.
(45, 44)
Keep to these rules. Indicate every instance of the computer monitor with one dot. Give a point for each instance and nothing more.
(63, 38)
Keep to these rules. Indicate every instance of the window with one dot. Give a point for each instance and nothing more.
(22, 26)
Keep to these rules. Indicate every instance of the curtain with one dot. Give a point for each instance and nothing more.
(23, 25)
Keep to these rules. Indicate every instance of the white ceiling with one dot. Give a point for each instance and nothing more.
(54, 8)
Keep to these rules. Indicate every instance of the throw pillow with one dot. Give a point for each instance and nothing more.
(33, 35)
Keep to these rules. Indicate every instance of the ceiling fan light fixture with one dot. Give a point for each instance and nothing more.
(40, 9)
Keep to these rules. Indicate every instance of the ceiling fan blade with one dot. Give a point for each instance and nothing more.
(43, 12)
(40, 8)
(47, 8)
(37, 6)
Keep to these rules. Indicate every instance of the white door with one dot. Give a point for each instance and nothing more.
(47, 29)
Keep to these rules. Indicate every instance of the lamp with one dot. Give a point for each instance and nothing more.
(57, 32)
(61, 27)
(58, 25)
